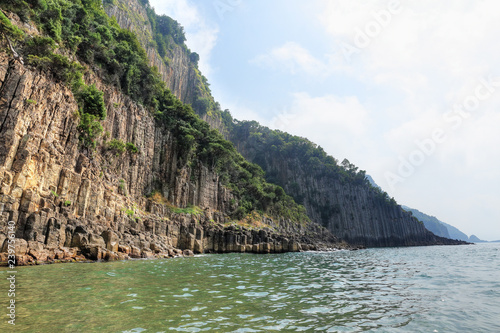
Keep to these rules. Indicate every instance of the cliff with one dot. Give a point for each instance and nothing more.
(338, 196)
(176, 67)
(430, 222)
(354, 212)
(65, 203)
(70, 201)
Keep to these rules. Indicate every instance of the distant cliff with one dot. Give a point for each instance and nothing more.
(431, 223)
(336, 195)
(441, 228)
(349, 208)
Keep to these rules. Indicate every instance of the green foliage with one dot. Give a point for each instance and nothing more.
(89, 128)
(42, 46)
(83, 29)
(54, 194)
(164, 29)
(119, 147)
(227, 119)
(201, 105)
(67, 203)
(382, 197)
(132, 148)
(8, 29)
(31, 101)
(116, 145)
(194, 57)
(63, 69)
(130, 213)
(39, 50)
(193, 210)
(92, 101)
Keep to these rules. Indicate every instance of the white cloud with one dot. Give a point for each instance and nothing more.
(428, 58)
(424, 44)
(201, 34)
(329, 121)
(342, 114)
(341, 17)
(292, 58)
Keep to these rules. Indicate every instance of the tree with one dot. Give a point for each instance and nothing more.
(92, 101)
(349, 167)
(195, 57)
(90, 128)
(201, 105)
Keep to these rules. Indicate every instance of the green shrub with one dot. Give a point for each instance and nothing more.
(132, 148)
(64, 70)
(122, 187)
(201, 105)
(117, 146)
(8, 29)
(42, 46)
(92, 101)
(130, 213)
(193, 210)
(89, 128)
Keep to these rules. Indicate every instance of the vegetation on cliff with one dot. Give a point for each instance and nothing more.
(80, 32)
(168, 33)
(264, 142)
(79, 39)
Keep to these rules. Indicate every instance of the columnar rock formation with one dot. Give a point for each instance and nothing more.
(67, 202)
(179, 73)
(352, 212)
(70, 203)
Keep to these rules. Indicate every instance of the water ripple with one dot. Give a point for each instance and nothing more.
(443, 289)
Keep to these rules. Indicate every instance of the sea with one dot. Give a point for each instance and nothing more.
(416, 289)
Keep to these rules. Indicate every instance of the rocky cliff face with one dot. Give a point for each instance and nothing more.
(353, 212)
(70, 204)
(431, 223)
(179, 73)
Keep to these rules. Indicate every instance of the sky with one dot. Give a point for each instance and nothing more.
(407, 90)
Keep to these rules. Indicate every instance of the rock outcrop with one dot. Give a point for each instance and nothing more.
(71, 205)
(353, 211)
(178, 72)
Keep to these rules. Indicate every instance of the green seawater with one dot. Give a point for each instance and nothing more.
(421, 289)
